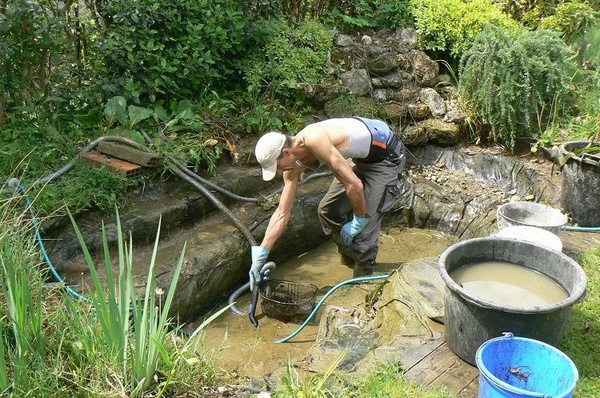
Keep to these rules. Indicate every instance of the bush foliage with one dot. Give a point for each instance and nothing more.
(170, 50)
(369, 14)
(451, 25)
(515, 82)
(571, 19)
(287, 59)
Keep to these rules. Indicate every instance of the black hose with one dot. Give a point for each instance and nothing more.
(210, 184)
(178, 169)
(181, 171)
(264, 272)
(213, 199)
(235, 295)
(252, 308)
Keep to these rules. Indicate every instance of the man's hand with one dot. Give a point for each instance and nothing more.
(353, 228)
(259, 258)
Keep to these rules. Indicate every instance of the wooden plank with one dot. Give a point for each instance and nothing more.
(129, 154)
(431, 366)
(121, 167)
(456, 377)
(575, 242)
(412, 356)
(470, 391)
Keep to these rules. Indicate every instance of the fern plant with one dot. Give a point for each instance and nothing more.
(515, 82)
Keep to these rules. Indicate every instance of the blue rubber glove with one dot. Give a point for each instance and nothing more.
(353, 228)
(259, 258)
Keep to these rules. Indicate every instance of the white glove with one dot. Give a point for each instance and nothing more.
(259, 258)
(353, 228)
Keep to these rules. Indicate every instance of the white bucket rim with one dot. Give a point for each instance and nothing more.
(532, 234)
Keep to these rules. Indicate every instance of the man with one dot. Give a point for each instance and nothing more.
(366, 159)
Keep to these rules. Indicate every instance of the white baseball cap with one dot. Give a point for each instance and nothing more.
(267, 150)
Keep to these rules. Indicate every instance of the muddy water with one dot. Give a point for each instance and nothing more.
(248, 351)
(508, 285)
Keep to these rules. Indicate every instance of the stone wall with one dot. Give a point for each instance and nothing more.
(402, 83)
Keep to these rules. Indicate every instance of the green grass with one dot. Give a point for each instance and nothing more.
(582, 336)
(389, 383)
(109, 342)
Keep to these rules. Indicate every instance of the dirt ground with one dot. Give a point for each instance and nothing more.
(461, 182)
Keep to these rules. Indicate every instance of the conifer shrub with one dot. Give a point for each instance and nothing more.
(514, 83)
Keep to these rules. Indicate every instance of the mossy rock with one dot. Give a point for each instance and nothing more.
(347, 106)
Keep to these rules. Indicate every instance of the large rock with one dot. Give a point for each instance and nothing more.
(357, 81)
(405, 82)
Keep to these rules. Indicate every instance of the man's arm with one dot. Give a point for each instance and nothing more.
(280, 218)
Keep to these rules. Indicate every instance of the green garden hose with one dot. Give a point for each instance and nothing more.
(333, 289)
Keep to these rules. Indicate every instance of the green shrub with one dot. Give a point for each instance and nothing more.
(451, 25)
(583, 120)
(374, 14)
(170, 50)
(515, 82)
(533, 13)
(30, 38)
(46, 64)
(287, 59)
(571, 19)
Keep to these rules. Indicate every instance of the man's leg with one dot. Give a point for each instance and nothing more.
(381, 189)
(334, 210)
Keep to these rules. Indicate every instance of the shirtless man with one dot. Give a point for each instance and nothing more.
(366, 159)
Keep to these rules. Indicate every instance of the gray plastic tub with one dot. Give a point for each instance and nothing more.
(470, 321)
(530, 214)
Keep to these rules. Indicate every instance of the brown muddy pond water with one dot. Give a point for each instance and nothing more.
(509, 285)
(244, 350)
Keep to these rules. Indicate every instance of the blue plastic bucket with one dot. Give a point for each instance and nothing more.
(512, 366)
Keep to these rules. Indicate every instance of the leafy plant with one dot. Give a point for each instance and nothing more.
(515, 82)
(452, 25)
(170, 51)
(119, 308)
(125, 117)
(571, 19)
(20, 284)
(368, 14)
(29, 39)
(582, 120)
(286, 59)
(189, 137)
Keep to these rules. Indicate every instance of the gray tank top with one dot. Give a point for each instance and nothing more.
(360, 137)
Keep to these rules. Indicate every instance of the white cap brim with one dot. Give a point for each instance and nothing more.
(269, 172)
